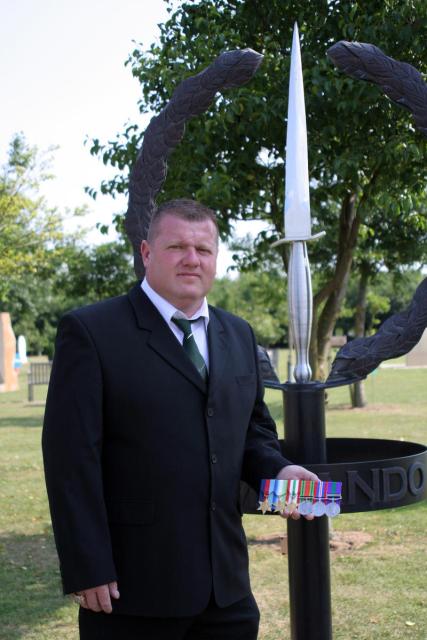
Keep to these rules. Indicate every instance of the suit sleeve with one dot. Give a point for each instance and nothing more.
(72, 450)
(262, 457)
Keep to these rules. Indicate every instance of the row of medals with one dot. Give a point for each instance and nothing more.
(305, 508)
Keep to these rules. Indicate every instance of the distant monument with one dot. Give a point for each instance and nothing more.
(8, 373)
(22, 349)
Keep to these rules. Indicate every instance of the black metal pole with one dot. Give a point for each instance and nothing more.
(308, 541)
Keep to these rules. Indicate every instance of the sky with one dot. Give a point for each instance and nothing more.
(63, 80)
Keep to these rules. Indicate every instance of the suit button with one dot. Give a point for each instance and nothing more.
(210, 412)
(214, 459)
(213, 505)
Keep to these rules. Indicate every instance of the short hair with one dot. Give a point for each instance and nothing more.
(184, 208)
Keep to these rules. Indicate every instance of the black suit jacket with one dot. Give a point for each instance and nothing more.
(143, 462)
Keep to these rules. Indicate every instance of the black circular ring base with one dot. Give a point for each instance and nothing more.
(375, 474)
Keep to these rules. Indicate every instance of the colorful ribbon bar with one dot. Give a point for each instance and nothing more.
(305, 496)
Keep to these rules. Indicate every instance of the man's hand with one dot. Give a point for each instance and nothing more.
(99, 598)
(295, 472)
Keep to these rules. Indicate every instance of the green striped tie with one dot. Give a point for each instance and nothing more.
(190, 346)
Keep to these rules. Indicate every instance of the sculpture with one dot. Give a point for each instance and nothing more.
(400, 81)
(165, 131)
(404, 85)
(395, 337)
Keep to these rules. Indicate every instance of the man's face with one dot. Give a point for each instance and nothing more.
(180, 262)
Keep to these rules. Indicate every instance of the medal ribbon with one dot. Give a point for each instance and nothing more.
(273, 491)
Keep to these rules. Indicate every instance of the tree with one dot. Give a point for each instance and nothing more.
(388, 293)
(364, 153)
(75, 276)
(259, 298)
(372, 297)
(29, 230)
(377, 251)
(94, 273)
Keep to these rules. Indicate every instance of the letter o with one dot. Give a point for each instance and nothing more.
(413, 488)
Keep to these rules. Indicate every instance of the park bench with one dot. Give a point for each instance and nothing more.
(39, 373)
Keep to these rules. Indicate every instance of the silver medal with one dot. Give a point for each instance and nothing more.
(319, 509)
(305, 508)
(332, 509)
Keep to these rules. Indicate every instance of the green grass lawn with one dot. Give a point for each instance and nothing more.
(378, 590)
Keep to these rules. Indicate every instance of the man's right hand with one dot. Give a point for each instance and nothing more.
(99, 598)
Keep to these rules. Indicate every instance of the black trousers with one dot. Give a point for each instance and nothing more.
(237, 622)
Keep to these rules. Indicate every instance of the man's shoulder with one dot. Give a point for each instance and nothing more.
(100, 307)
(108, 308)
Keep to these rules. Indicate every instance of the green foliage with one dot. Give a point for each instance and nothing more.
(93, 273)
(389, 293)
(77, 276)
(35, 311)
(259, 298)
(367, 162)
(29, 231)
(232, 157)
(43, 275)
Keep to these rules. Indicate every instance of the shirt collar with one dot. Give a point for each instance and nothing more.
(168, 311)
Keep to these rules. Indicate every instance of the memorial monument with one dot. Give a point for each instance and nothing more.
(8, 373)
(22, 349)
(375, 474)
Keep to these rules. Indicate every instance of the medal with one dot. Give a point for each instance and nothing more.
(263, 502)
(305, 508)
(319, 509)
(332, 509)
(292, 507)
(264, 506)
(333, 496)
(304, 496)
(280, 506)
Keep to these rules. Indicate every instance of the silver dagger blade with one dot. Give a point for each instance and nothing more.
(297, 195)
(297, 218)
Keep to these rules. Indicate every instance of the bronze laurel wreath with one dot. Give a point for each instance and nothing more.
(191, 98)
(403, 84)
(400, 81)
(395, 337)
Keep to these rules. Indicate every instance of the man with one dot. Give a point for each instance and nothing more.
(150, 424)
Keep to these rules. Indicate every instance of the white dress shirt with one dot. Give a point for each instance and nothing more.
(168, 311)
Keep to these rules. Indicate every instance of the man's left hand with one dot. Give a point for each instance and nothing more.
(295, 472)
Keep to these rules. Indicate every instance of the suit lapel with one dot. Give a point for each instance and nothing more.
(218, 351)
(161, 338)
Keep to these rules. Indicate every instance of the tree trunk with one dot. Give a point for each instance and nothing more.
(360, 315)
(327, 302)
(358, 398)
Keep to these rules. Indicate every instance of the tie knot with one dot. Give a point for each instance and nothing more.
(190, 346)
(184, 325)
